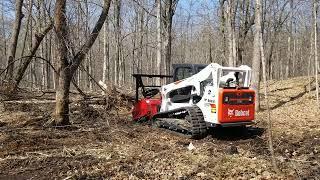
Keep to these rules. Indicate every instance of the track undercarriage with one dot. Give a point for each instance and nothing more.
(188, 121)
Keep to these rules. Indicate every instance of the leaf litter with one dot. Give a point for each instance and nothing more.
(104, 143)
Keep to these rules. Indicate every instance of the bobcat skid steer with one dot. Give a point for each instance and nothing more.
(201, 96)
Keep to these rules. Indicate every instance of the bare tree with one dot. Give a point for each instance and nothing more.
(88, 61)
(66, 65)
(119, 64)
(276, 21)
(231, 13)
(3, 31)
(256, 60)
(223, 26)
(140, 19)
(315, 33)
(37, 41)
(261, 49)
(14, 38)
(290, 57)
(159, 39)
(246, 22)
(169, 10)
(27, 27)
(106, 59)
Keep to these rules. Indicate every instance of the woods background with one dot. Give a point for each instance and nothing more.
(202, 32)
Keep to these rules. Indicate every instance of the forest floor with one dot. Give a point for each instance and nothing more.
(106, 144)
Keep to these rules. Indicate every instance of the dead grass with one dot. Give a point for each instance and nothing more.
(106, 144)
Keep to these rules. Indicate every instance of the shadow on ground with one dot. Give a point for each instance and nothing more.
(236, 133)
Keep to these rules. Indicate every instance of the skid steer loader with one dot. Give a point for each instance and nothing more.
(200, 97)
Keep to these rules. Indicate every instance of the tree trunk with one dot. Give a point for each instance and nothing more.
(223, 28)
(106, 63)
(167, 45)
(64, 77)
(159, 41)
(135, 61)
(66, 67)
(48, 68)
(246, 21)
(88, 57)
(231, 8)
(256, 61)
(229, 34)
(54, 61)
(37, 41)
(309, 61)
(170, 7)
(294, 59)
(3, 30)
(141, 38)
(31, 73)
(118, 43)
(45, 45)
(41, 15)
(62, 97)
(90, 64)
(27, 27)
(234, 45)
(78, 35)
(270, 141)
(14, 38)
(315, 33)
(261, 49)
(288, 58)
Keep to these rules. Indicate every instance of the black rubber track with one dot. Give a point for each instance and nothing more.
(195, 128)
(198, 125)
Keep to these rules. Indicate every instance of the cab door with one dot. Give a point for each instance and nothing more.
(182, 72)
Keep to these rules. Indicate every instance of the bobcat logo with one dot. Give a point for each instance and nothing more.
(230, 112)
(238, 113)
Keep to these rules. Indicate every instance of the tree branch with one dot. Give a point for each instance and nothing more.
(92, 37)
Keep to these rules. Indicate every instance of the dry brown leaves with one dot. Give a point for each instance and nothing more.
(104, 143)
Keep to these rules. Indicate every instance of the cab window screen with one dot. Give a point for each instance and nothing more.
(231, 79)
(200, 68)
(183, 72)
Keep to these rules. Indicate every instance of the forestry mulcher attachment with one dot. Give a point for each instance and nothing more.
(201, 96)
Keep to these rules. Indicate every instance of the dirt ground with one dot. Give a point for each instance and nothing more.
(106, 144)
